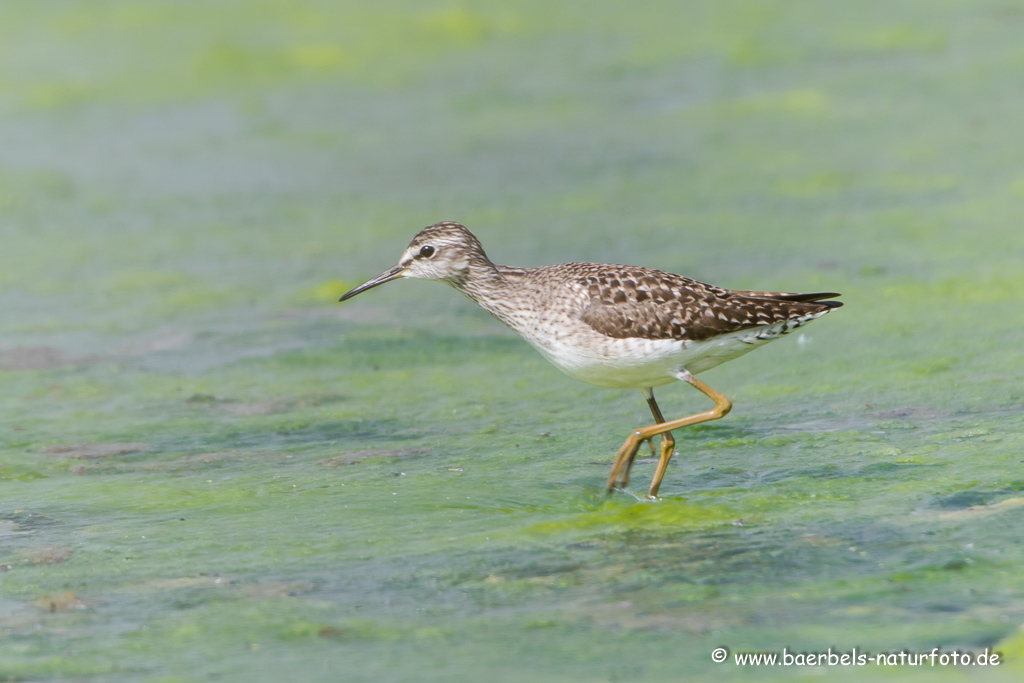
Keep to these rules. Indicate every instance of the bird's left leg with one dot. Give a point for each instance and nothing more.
(629, 449)
(668, 443)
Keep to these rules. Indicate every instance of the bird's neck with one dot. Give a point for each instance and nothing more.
(485, 284)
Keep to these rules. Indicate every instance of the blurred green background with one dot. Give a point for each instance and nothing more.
(210, 470)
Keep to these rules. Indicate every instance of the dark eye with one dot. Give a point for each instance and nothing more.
(427, 251)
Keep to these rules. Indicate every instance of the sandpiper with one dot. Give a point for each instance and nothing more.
(613, 326)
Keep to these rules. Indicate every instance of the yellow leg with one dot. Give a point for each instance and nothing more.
(668, 448)
(628, 451)
(668, 443)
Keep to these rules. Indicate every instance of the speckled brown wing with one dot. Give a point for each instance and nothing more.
(627, 302)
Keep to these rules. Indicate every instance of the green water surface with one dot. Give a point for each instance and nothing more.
(211, 470)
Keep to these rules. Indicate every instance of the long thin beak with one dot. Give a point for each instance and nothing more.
(386, 276)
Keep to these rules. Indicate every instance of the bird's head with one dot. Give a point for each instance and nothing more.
(444, 251)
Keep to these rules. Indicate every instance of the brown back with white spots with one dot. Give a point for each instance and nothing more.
(632, 302)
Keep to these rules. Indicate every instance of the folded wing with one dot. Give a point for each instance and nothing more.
(649, 304)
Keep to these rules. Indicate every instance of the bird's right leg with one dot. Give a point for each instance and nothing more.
(668, 443)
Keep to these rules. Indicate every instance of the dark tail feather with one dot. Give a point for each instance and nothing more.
(817, 296)
(787, 296)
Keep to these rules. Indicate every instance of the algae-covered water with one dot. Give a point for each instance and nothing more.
(211, 470)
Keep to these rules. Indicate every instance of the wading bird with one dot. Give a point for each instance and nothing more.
(613, 326)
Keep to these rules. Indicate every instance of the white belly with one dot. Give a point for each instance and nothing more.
(618, 363)
(634, 363)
